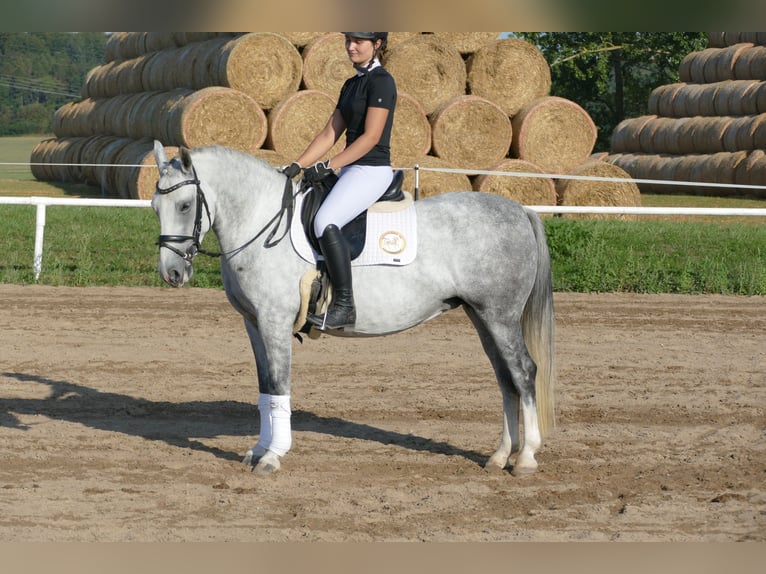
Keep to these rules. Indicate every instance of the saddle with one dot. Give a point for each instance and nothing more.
(355, 231)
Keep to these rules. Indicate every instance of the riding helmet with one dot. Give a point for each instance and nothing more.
(370, 36)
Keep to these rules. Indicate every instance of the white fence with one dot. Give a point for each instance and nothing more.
(41, 204)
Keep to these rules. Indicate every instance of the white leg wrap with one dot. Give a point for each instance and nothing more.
(276, 434)
(264, 408)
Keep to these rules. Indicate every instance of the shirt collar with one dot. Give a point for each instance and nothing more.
(361, 71)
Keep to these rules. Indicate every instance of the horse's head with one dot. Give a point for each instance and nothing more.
(184, 215)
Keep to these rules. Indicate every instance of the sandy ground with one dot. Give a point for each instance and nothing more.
(125, 412)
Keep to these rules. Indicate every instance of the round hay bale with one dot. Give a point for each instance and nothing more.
(758, 131)
(263, 65)
(720, 66)
(691, 99)
(395, 38)
(112, 46)
(626, 135)
(158, 124)
(471, 132)
(274, 158)
(61, 117)
(432, 183)
(598, 193)
(106, 165)
(467, 42)
(156, 41)
(737, 135)
(722, 168)
(94, 84)
(751, 64)
(301, 39)
(91, 150)
(203, 59)
(708, 134)
(217, 115)
(666, 168)
(527, 190)
(744, 172)
(510, 72)
(715, 39)
(411, 132)
(39, 159)
(664, 136)
(296, 120)
(554, 133)
(429, 70)
(661, 100)
(140, 109)
(737, 98)
(693, 65)
(141, 181)
(326, 65)
(128, 75)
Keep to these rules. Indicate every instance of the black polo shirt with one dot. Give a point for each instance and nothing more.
(375, 89)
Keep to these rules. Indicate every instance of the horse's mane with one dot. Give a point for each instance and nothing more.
(239, 164)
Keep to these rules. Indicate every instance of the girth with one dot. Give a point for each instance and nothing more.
(355, 231)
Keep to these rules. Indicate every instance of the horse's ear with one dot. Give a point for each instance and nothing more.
(159, 154)
(186, 161)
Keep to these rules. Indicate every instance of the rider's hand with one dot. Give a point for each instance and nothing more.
(318, 171)
(292, 170)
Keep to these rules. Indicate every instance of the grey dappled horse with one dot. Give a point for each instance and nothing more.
(477, 250)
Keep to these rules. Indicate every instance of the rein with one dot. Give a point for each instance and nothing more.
(195, 248)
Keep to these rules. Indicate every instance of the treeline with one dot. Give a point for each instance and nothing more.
(611, 74)
(39, 72)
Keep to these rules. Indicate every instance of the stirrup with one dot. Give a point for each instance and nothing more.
(321, 323)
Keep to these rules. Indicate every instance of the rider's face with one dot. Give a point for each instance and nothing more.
(360, 50)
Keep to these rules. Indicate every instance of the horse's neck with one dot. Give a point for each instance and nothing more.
(247, 197)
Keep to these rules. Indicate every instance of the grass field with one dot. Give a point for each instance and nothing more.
(114, 246)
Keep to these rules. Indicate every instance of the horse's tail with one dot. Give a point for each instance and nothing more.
(538, 326)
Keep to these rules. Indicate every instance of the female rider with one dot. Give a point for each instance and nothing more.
(365, 111)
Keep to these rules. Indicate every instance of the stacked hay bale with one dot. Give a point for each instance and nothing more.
(710, 127)
(467, 101)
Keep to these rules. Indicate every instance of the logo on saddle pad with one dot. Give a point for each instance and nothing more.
(390, 237)
(392, 242)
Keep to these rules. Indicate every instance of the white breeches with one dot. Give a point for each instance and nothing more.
(357, 188)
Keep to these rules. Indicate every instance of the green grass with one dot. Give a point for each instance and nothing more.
(116, 246)
(90, 246)
(657, 256)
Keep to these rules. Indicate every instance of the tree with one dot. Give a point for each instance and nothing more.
(39, 72)
(612, 74)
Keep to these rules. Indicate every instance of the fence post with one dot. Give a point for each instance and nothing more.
(37, 264)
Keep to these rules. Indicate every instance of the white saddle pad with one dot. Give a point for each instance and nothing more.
(391, 234)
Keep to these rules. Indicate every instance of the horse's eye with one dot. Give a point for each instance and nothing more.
(185, 207)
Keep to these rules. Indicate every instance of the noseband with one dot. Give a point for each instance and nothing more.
(194, 248)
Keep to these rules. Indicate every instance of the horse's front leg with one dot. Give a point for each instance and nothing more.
(272, 358)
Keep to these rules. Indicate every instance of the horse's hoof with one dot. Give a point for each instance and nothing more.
(523, 470)
(264, 468)
(268, 464)
(253, 456)
(496, 462)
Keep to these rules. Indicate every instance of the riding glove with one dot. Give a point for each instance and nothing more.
(292, 170)
(317, 172)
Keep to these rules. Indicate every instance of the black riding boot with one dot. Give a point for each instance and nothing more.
(338, 261)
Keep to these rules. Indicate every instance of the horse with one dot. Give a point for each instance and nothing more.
(479, 251)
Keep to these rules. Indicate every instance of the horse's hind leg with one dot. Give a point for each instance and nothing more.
(515, 372)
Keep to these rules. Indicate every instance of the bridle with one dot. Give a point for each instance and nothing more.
(194, 248)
